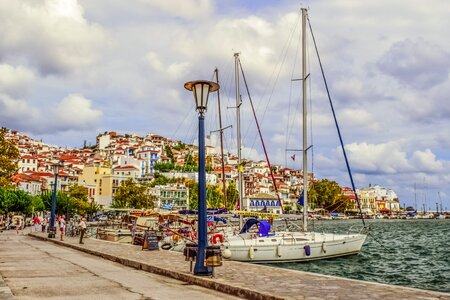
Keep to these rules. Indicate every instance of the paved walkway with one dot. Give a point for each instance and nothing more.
(35, 269)
(246, 280)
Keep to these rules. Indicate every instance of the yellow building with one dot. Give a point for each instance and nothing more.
(99, 182)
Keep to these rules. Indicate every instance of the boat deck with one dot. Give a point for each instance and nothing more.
(250, 281)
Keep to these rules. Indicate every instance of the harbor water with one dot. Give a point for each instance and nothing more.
(412, 253)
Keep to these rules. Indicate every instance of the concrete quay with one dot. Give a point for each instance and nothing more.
(244, 280)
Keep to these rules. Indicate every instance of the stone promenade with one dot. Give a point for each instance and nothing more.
(245, 280)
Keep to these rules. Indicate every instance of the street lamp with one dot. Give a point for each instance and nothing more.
(52, 228)
(201, 90)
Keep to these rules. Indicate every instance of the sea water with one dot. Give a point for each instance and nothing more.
(412, 253)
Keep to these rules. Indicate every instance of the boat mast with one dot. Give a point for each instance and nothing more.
(238, 135)
(305, 140)
(221, 144)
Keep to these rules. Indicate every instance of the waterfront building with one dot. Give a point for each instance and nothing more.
(377, 199)
(172, 196)
(262, 202)
(102, 183)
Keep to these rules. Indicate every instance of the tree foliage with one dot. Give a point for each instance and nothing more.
(328, 195)
(214, 195)
(169, 153)
(133, 195)
(13, 200)
(232, 196)
(9, 156)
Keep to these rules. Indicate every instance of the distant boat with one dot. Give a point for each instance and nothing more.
(256, 243)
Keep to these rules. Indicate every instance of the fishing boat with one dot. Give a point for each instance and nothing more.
(256, 241)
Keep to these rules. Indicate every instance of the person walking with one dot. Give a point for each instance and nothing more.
(44, 223)
(83, 227)
(62, 227)
(36, 222)
(19, 226)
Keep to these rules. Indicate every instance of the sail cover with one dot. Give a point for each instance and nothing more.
(264, 227)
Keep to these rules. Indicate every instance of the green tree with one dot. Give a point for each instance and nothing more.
(77, 200)
(214, 196)
(327, 194)
(62, 202)
(180, 146)
(159, 179)
(169, 153)
(232, 196)
(193, 194)
(164, 167)
(37, 204)
(132, 195)
(9, 157)
(12, 200)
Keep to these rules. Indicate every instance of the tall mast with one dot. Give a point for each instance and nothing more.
(305, 140)
(221, 143)
(415, 197)
(238, 135)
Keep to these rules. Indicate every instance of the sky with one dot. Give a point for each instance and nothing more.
(70, 69)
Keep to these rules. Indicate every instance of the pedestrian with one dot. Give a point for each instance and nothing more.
(44, 223)
(19, 225)
(36, 222)
(62, 226)
(83, 227)
(8, 222)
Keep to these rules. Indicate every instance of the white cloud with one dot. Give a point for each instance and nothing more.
(16, 113)
(381, 158)
(418, 63)
(171, 71)
(15, 81)
(425, 161)
(188, 9)
(52, 35)
(75, 112)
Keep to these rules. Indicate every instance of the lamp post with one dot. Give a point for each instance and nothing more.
(201, 90)
(52, 228)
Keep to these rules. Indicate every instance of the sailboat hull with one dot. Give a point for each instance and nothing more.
(291, 247)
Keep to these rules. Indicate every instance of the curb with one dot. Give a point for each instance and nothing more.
(186, 277)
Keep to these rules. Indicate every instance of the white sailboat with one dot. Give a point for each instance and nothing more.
(256, 243)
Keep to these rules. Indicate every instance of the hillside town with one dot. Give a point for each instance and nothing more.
(119, 157)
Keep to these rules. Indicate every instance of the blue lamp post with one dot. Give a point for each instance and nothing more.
(52, 228)
(201, 90)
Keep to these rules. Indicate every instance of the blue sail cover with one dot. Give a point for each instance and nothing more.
(264, 228)
(248, 224)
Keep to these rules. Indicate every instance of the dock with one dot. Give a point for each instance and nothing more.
(245, 280)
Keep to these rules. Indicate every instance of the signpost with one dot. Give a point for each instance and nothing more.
(150, 240)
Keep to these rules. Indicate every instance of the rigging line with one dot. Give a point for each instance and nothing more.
(188, 112)
(381, 243)
(291, 123)
(262, 140)
(225, 88)
(285, 51)
(278, 68)
(337, 126)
